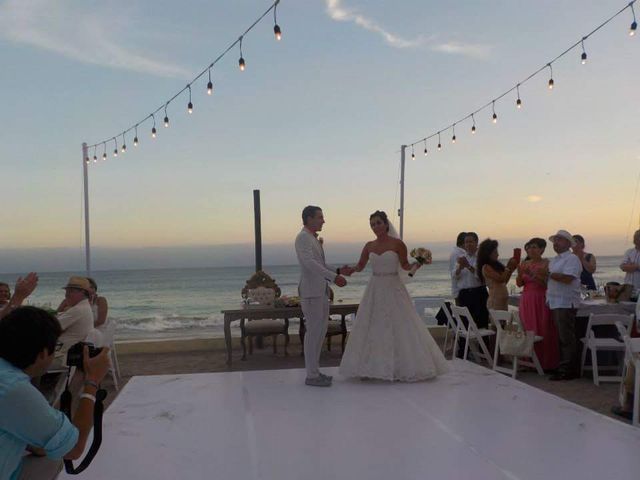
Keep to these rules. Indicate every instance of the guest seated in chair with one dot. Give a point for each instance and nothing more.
(99, 305)
(76, 318)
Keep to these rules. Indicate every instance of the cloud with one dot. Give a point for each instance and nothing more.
(339, 13)
(89, 36)
(534, 198)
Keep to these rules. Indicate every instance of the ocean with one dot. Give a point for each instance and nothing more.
(188, 302)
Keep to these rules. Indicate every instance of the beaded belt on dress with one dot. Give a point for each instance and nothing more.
(380, 274)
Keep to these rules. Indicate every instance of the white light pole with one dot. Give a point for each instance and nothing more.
(401, 209)
(87, 243)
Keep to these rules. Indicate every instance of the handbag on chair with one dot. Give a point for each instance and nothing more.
(515, 341)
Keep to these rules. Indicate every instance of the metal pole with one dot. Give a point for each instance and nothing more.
(256, 215)
(87, 242)
(401, 209)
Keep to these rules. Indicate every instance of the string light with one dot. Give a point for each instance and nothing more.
(241, 61)
(548, 65)
(276, 28)
(95, 158)
(135, 139)
(439, 142)
(413, 155)
(453, 139)
(425, 148)
(124, 144)
(104, 154)
(210, 84)
(115, 150)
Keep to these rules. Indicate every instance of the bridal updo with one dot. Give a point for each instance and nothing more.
(382, 216)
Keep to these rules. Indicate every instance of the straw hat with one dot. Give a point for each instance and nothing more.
(78, 282)
(564, 234)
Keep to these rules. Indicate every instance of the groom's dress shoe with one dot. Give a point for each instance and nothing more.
(318, 382)
(328, 377)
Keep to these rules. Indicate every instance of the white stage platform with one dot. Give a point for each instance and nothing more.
(469, 424)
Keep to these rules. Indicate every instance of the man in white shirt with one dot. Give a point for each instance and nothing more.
(631, 263)
(77, 320)
(457, 252)
(563, 298)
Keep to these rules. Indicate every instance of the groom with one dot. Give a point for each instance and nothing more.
(314, 292)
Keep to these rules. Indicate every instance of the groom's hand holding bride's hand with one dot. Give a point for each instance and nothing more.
(340, 281)
(347, 270)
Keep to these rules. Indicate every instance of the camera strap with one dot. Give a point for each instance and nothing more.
(98, 410)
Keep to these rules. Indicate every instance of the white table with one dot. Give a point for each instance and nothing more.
(470, 423)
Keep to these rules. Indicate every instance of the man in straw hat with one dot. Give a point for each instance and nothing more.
(77, 319)
(563, 298)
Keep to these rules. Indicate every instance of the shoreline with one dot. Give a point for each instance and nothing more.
(193, 343)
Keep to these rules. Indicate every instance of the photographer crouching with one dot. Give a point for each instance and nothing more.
(28, 342)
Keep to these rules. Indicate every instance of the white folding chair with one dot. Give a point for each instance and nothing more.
(452, 326)
(108, 330)
(473, 336)
(498, 317)
(632, 357)
(596, 344)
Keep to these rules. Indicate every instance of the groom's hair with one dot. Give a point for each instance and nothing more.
(460, 239)
(309, 212)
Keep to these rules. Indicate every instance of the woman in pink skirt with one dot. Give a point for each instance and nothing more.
(534, 312)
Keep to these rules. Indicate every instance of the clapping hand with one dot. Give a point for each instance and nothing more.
(25, 286)
(463, 262)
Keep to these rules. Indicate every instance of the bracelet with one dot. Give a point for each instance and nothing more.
(90, 383)
(88, 396)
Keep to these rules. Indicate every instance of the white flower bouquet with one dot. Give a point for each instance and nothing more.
(422, 257)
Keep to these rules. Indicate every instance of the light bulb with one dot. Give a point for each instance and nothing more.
(633, 28)
(190, 107)
(166, 122)
(494, 119)
(135, 142)
(209, 88)
(124, 148)
(473, 130)
(241, 64)
(551, 84)
(518, 103)
(453, 139)
(425, 151)
(439, 146)
(104, 156)
(277, 32)
(583, 57)
(95, 159)
(87, 160)
(413, 156)
(153, 132)
(115, 152)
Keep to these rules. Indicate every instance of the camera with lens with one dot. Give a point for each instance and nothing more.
(74, 354)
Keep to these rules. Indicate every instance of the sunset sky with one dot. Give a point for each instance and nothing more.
(317, 118)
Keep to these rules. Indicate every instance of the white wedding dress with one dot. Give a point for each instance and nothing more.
(389, 341)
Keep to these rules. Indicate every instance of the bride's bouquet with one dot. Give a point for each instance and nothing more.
(422, 256)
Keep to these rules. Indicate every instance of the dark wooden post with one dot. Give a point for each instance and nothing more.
(256, 214)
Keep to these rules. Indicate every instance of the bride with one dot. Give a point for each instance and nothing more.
(389, 341)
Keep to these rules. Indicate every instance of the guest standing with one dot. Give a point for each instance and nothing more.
(588, 261)
(99, 306)
(535, 315)
(458, 251)
(471, 292)
(563, 298)
(494, 274)
(631, 263)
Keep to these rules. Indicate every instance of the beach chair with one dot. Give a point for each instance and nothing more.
(603, 343)
(632, 357)
(337, 327)
(500, 318)
(451, 326)
(108, 331)
(473, 336)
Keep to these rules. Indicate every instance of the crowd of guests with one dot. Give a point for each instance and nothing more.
(32, 343)
(551, 289)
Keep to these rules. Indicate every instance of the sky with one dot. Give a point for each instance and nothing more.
(317, 118)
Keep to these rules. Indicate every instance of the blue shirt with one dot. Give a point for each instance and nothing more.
(27, 419)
